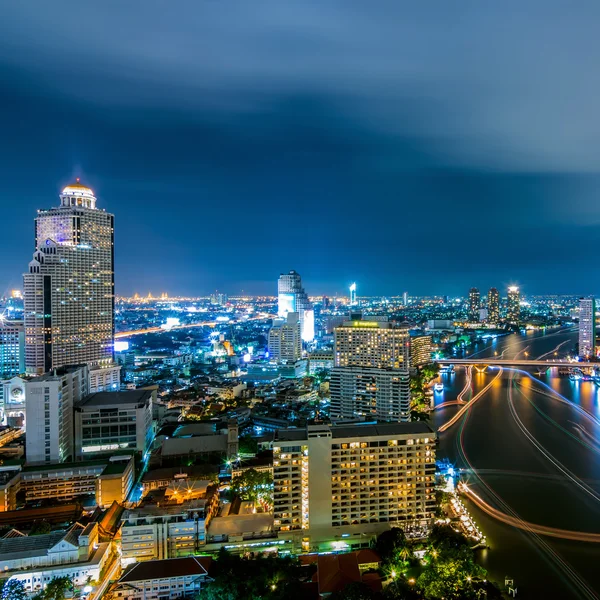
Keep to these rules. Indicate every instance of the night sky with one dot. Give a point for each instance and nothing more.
(427, 147)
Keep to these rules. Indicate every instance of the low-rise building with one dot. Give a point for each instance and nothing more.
(164, 579)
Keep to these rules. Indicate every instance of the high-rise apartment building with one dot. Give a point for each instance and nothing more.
(376, 344)
(493, 306)
(344, 481)
(420, 350)
(12, 348)
(587, 327)
(69, 288)
(50, 400)
(285, 341)
(474, 304)
(513, 312)
(370, 393)
(291, 297)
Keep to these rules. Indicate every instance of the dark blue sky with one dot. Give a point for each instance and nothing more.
(425, 147)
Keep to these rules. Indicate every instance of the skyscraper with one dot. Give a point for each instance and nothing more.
(493, 305)
(353, 294)
(69, 289)
(12, 348)
(513, 312)
(291, 297)
(474, 304)
(285, 341)
(587, 327)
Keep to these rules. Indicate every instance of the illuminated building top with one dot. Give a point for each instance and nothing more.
(77, 194)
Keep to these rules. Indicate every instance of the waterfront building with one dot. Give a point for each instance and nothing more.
(330, 482)
(12, 348)
(420, 350)
(291, 297)
(377, 344)
(370, 393)
(49, 404)
(474, 304)
(285, 339)
(514, 304)
(69, 287)
(587, 327)
(109, 421)
(493, 306)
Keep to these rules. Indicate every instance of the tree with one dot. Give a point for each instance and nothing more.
(389, 544)
(13, 589)
(254, 486)
(40, 528)
(248, 445)
(56, 589)
(354, 591)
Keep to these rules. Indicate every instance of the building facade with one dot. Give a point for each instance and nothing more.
(513, 312)
(369, 393)
(493, 306)
(587, 327)
(474, 304)
(69, 287)
(12, 348)
(49, 406)
(353, 480)
(285, 339)
(371, 344)
(291, 297)
(420, 350)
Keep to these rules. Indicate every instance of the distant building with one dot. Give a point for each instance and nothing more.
(405, 298)
(371, 344)
(285, 339)
(493, 306)
(49, 413)
(12, 348)
(291, 297)
(474, 304)
(370, 393)
(69, 287)
(513, 312)
(420, 350)
(587, 327)
(440, 325)
(340, 485)
(353, 295)
(110, 421)
(320, 360)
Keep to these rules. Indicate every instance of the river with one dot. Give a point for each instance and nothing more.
(534, 443)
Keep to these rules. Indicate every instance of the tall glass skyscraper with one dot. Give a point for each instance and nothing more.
(513, 312)
(69, 288)
(291, 297)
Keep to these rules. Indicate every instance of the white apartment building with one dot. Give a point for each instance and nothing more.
(587, 327)
(344, 481)
(285, 339)
(69, 287)
(371, 344)
(370, 393)
(49, 406)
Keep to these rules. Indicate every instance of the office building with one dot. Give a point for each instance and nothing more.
(285, 339)
(377, 344)
(513, 312)
(587, 327)
(369, 393)
(69, 288)
(12, 348)
(49, 406)
(291, 297)
(341, 481)
(353, 295)
(493, 306)
(405, 298)
(420, 350)
(12, 402)
(109, 421)
(474, 304)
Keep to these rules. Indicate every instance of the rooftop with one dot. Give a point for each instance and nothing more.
(100, 399)
(356, 430)
(165, 569)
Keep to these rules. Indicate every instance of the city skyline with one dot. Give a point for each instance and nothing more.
(255, 158)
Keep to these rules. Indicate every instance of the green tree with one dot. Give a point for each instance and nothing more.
(354, 591)
(40, 528)
(248, 445)
(12, 589)
(254, 486)
(56, 589)
(389, 544)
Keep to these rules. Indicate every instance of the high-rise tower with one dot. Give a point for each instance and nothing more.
(493, 305)
(514, 304)
(474, 304)
(587, 327)
(291, 297)
(69, 289)
(353, 294)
